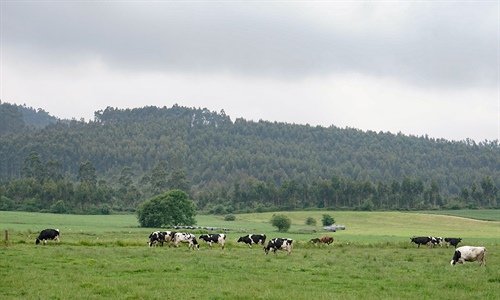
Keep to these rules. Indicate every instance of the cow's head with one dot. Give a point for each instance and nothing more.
(37, 241)
(456, 257)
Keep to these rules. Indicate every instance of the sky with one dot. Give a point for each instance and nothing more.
(412, 67)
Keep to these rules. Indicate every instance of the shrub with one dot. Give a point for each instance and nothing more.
(229, 218)
(171, 208)
(367, 205)
(59, 207)
(311, 221)
(6, 203)
(282, 222)
(327, 220)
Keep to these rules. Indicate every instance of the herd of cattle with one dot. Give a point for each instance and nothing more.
(433, 241)
(161, 237)
(461, 254)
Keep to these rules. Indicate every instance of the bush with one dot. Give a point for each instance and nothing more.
(32, 205)
(171, 208)
(105, 209)
(327, 220)
(229, 218)
(59, 207)
(6, 203)
(282, 222)
(311, 221)
(367, 205)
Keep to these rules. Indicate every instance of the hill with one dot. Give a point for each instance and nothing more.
(235, 165)
(15, 118)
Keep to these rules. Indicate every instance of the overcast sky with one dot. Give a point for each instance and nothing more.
(420, 67)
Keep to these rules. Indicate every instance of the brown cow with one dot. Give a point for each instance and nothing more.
(324, 239)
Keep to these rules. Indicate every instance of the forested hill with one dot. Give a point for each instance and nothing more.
(15, 118)
(220, 157)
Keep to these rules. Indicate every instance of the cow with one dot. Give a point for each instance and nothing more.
(47, 234)
(452, 241)
(279, 244)
(169, 236)
(469, 253)
(422, 240)
(182, 237)
(214, 238)
(324, 239)
(436, 241)
(253, 239)
(156, 237)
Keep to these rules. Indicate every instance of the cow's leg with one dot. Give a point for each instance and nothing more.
(57, 239)
(44, 242)
(481, 259)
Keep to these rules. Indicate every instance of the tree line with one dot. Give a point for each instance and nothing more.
(124, 157)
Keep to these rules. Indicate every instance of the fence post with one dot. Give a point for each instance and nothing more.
(6, 235)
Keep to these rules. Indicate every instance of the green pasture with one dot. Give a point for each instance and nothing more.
(482, 214)
(107, 257)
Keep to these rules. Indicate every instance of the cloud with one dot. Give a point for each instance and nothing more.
(423, 43)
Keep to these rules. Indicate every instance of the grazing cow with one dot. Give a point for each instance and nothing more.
(324, 239)
(156, 237)
(422, 240)
(253, 239)
(169, 236)
(47, 234)
(469, 253)
(436, 241)
(182, 237)
(452, 241)
(279, 244)
(214, 238)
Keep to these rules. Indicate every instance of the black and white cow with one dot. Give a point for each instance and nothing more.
(436, 241)
(452, 241)
(182, 237)
(169, 237)
(422, 240)
(214, 238)
(47, 234)
(253, 239)
(157, 238)
(279, 244)
(160, 237)
(469, 253)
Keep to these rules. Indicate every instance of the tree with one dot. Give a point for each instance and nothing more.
(327, 220)
(33, 167)
(158, 179)
(87, 173)
(170, 208)
(282, 222)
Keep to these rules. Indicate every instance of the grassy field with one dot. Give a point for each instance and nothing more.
(107, 257)
(483, 214)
